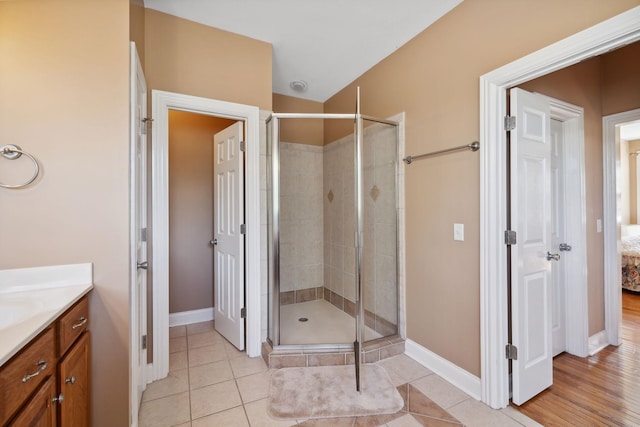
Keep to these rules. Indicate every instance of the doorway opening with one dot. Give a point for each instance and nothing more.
(163, 103)
(611, 34)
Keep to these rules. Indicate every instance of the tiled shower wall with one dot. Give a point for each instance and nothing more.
(317, 225)
(301, 221)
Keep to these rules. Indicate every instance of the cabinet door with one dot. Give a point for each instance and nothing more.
(74, 384)
(40, 411)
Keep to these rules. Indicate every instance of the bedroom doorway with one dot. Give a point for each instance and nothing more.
(614, 208)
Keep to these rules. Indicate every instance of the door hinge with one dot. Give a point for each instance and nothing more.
(143, 234)
(511, 352)
(509, 237)
(144, 342)
(243, 313)
(243, 229)
(145, 122)
(509, 123)
(243, 146)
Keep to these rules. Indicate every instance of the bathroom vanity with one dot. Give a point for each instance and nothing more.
(45, 346)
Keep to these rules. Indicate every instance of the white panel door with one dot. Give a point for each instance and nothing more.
(228, 241)
(559, 274)
(531, 290)
(139, 228)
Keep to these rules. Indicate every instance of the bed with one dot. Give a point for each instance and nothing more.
(631, 263)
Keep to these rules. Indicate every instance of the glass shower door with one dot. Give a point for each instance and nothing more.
(380, 229)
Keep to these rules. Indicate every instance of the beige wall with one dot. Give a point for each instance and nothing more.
(64, 97)
(621, 73)
(191, 209)
(300, 131)
(189, 58)
(435, 79)
(136, 26)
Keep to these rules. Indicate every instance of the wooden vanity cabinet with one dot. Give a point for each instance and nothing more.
(39, 411)
(58, 394)
(73, 374)
(23, 374)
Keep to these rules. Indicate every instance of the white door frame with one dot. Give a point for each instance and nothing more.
(612, 33)
(612, 271)
(162, 102)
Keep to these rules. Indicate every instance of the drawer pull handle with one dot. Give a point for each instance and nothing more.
(82, 321)
(58, 399)
(42, 366)
(71, 380)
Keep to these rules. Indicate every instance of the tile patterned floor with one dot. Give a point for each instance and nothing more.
(211, 383)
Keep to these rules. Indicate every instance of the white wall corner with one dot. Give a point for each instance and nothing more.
(597, 342)
(450, 372)
(191, 316)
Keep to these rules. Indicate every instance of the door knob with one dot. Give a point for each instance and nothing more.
(143, 265)
(214, 242)
(554, 257)
(565, 247)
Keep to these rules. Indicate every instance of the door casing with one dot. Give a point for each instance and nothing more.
(162, 102)
(610, 34)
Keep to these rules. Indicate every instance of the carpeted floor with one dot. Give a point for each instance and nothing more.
(330, 391)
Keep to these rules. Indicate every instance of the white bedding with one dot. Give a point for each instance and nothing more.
(631, 245)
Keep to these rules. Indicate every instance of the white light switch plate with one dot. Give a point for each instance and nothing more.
(458, 232)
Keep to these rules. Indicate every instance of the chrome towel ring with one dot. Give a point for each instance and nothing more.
(12, 152)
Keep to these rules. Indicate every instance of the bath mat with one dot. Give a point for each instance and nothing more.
(330, 391)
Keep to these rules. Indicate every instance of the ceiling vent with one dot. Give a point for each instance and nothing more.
(298, 85)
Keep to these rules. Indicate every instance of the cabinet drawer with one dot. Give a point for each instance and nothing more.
(25, 372)
(73, 323)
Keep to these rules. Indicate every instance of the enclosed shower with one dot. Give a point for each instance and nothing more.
(332, 234)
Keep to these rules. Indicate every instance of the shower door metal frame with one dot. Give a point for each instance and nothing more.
(274, 271)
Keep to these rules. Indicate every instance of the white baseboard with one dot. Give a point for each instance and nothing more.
(193, 316)
(452, 373)
(597, 342)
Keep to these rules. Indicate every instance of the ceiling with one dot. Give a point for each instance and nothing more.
(325, 43)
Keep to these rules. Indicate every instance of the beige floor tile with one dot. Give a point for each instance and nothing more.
(178, 361)
(177, 344)
(258, 416)
(214, 398)
(473, 413)
(234, 417)
(177, 331)
(165, 412)
(405, 421)
(204, 355)
(440, 391)
(232, 351)
(243, 366)
(205, 339)
(254, 387)
(184, 425)
(211, 373)
(514, 414)
(403, 369)
(198, 328)
(176, 382)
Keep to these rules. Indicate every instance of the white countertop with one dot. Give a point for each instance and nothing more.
(32, 298)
